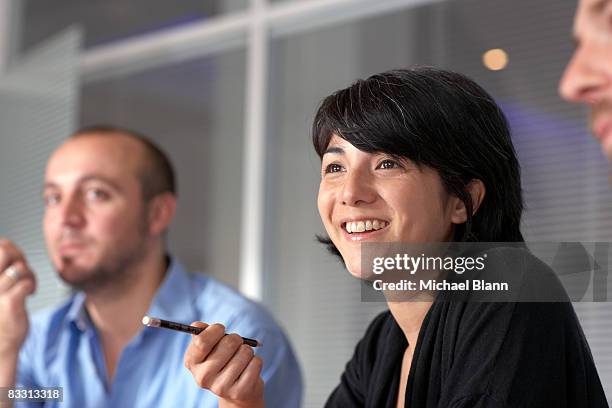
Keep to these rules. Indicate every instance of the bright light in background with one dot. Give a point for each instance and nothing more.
(495, 59)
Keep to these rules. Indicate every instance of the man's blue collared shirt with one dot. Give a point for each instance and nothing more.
(63, 349)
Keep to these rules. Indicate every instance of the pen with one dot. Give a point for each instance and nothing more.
(166, 324)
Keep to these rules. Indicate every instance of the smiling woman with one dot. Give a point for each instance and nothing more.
(425, 155)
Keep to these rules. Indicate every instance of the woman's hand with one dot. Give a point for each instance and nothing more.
(224, 365)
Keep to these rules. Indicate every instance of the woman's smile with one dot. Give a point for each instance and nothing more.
(361, 228)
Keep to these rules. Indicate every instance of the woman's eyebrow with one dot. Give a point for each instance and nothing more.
(334, 149)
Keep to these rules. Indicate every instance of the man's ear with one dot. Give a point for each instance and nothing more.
(476, 189)
(162, 208)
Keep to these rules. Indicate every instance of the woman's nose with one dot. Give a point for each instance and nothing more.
(358, 189)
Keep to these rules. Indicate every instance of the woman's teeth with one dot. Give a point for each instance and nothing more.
(366, 225)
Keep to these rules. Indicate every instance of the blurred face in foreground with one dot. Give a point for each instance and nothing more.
(588, 76)
(373, 197)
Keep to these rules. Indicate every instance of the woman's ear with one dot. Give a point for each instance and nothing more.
(161, 212)
(476, 189)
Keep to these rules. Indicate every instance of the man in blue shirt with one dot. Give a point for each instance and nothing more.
(109, 198)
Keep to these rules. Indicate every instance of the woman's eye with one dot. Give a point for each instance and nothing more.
(333, 168)
(388, 164)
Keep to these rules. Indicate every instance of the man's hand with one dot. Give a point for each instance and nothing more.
(16, 282)
(227, 367)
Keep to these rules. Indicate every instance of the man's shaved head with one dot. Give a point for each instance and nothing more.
(156, 172)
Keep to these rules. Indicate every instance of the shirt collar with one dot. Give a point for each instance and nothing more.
(77, 314)
(173, 300)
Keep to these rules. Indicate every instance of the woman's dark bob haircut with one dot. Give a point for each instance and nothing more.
(442, 120)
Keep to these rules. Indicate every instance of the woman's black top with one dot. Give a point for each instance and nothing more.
(476, 355)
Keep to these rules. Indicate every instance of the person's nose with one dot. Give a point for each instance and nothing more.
(583, 80)
(71, 212)
(358, 188)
